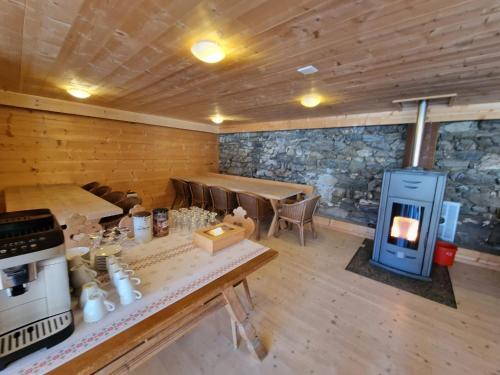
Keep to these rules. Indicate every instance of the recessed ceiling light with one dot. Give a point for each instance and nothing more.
(217, 119)
(309, 69)
(78, 93)
(208, 51)
(310, 100)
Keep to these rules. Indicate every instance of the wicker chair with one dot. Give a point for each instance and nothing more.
(114, 196)
(126, 204)
(101, 190)
(299, 213)
(256, 207)
(90, 185)
(200, 195)
(182, 193)
(223, 200)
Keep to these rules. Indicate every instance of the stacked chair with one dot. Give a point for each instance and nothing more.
(223, 200)
(118, 198)
(257, 208)
(101, 190)
(182, 193)
(200, 195)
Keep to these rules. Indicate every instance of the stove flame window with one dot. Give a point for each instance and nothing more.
(406, 222)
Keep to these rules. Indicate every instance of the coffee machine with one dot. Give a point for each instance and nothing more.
(35, 302)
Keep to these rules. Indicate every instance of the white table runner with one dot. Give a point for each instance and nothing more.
(170, 268)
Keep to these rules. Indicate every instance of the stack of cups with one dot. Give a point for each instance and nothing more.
(122, 279)
(94, 303)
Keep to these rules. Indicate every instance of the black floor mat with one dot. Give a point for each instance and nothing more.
(439, 289)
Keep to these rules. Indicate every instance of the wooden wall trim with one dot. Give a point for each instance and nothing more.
(437, 113)
(14, 99)
(468, 256)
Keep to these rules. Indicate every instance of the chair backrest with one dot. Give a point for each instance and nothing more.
(128, 203)
(101, 190)
(90, 185)
(200, 193)
(180, 186)
(239, 217)
(253, 204)
(310, 207)
(223, 199)
(114, 196)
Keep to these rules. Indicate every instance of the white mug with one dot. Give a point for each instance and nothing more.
(88, 289)
(81, 274)
(111, 259)
(118, 274)
(126, 291)
(96, 308)
(116, 267)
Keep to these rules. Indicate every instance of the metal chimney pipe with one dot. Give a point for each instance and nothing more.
(419, 133)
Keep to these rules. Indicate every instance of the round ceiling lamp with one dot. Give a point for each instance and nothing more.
(310, 100)
(208, 51)
(217, 119)
(78, 93)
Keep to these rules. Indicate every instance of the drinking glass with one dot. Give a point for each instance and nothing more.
(213, 218)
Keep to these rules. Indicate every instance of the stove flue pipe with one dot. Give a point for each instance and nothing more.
(419, 133)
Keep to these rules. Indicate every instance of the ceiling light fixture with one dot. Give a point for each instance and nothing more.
(78, 93)
(310, 100)
(208, 51)
(309, 69)
(217, 119)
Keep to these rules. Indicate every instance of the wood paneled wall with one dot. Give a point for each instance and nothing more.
(38, 147)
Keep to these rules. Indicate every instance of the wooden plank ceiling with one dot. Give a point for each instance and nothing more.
(135, 55)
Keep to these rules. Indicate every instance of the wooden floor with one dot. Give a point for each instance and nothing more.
(317, 318)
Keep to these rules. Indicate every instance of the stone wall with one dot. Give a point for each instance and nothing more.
(346, 164)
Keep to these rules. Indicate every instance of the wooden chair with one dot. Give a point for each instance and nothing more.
(78, 229)
(200, 195)
(126, 204)
(256, 207)
(114, 196)
(239, 217)
(101, 190)
(182, 193)
(90, 185)
(223, 200)
(299, 213)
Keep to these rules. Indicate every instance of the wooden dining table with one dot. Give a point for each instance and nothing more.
(63, 200)
(273, 190)
(181, 285)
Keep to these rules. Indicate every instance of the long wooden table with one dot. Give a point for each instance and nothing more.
(63, 200)
(273, 190)
(130, 348)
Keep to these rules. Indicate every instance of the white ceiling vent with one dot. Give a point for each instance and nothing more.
(309, 69)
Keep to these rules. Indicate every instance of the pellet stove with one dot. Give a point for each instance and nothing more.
(409, 214)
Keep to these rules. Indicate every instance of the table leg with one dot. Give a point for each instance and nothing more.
(272, 228)
(245, 328)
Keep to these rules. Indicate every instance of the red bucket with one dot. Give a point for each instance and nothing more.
(444, 254)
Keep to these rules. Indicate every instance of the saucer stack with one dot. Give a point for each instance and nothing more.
(104, 252)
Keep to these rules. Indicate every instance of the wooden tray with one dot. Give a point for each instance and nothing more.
(218, 237)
